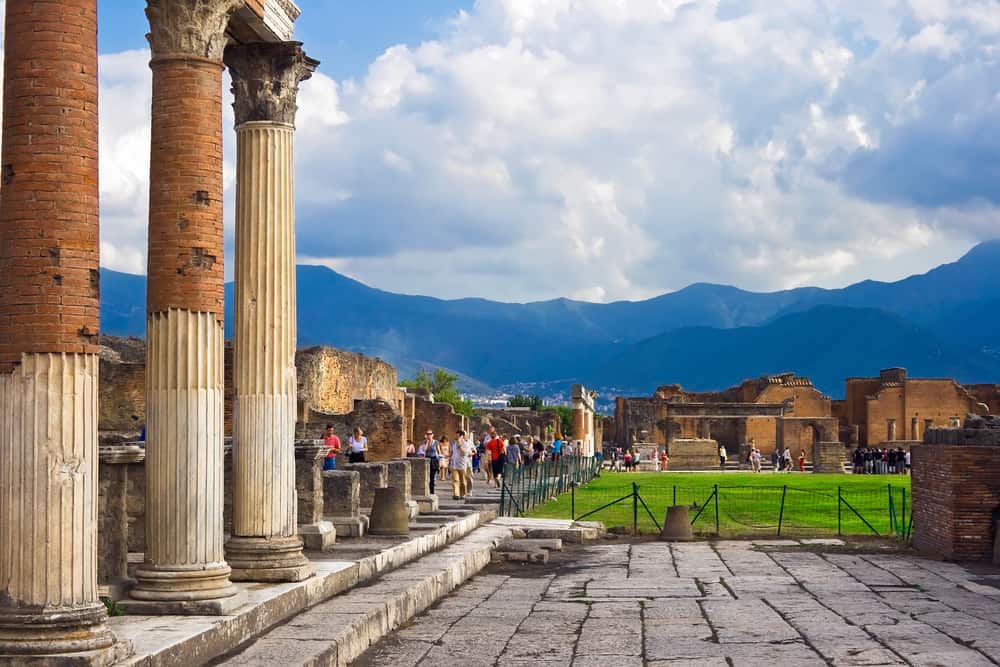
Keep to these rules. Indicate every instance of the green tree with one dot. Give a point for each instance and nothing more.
(524, 401)
(565, 418)
(441, 384)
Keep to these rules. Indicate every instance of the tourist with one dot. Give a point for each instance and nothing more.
(411, 449)
(537, 451)
(906, 458)
(635, 461)
(444, 452)
(900, 461)
(487, 462)
(891, 458)
(628, 460)
(513, 451)
(358, 445)
(755, 454)
(722, 457)
(498, 458)
(461, 450)
(786, 457)
(774, 460)
(664, 461)
(557, 445)
(332, 443)
(433, 454)
(802, 460)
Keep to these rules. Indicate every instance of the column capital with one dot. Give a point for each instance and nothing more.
(266, 79)
(189, 28)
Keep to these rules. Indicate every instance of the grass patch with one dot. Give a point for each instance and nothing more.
(749, 504)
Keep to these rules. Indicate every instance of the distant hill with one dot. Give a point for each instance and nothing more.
(826, 344)
(500, 343)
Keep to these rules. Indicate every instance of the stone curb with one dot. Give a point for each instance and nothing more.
(220, 635)
(352, 622)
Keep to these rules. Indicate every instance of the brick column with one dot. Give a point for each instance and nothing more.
(49, 610)
(184, 570)
(265, 545)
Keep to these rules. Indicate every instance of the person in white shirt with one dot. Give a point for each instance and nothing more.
(461, 452)
(357, 446)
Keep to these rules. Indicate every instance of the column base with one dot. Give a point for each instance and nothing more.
(185, 592)
(412, 508)
(319, 536)
(269, 559)
(76, 636)
(218, 607)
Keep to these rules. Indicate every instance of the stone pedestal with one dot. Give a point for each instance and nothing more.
(112, 517)
(317, 534)
(420, 473)
(400, 478)
(389, 515)
(373, 476)
(341, 502)
(828, 457)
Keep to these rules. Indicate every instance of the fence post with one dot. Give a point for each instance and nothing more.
(635, 509)
(572, 501)
(502, 487)
(838, 511)
(716, 509)
(904, 512)
(675, 495)
(781, 512)
(892, 512)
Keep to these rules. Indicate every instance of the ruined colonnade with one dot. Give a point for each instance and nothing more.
(49, 312)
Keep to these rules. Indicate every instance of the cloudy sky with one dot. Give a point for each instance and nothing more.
(614, 149)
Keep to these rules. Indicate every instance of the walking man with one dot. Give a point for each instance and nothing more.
(498, 458)
(461, 451)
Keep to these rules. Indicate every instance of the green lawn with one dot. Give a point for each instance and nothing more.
(748, 504)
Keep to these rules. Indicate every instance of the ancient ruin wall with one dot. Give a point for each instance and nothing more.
(330, 380)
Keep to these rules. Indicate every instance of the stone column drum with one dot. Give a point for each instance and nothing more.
(49, 609)
(265, 545)
(184, 569)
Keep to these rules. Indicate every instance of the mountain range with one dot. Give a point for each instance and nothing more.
(945, 322)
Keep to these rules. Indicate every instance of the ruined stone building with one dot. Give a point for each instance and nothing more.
(895, 408)
(773, 411)
(49, 311)
(525, 422)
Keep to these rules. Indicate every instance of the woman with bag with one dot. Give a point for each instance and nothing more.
(358, 445)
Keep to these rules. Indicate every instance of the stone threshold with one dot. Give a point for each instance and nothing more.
(196, 640)
(338, 631)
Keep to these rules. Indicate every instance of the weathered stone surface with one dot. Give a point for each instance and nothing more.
(266, 79)
(372, 476)
(341, 493)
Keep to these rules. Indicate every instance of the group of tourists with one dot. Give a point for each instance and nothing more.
(880, 461)
(357, 445)
(458, 459)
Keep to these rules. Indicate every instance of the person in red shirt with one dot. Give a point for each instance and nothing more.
(496, 448)
(332, 442)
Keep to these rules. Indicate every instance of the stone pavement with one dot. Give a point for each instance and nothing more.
(738, 603)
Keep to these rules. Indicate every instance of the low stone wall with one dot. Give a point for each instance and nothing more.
(381, 422)
(693, 454)
(956, 490)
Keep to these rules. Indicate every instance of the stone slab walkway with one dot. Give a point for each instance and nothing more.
(724, 603)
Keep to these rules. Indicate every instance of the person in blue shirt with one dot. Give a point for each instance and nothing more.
(556, 448)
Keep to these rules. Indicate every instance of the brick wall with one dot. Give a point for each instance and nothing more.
(438, 417)
(381, 422)
(49, 281)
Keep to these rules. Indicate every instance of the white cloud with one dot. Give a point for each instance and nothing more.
(607, 149)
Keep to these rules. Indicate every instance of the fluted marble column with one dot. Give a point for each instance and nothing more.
(265, 545)
(49, 305)
(184, 570)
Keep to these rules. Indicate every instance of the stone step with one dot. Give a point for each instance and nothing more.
(529, 556)
(160, 641)
(338, 631)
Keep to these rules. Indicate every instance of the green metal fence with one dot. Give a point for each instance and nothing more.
(732, 511)
(527, 486)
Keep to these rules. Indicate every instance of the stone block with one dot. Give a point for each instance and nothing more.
(372, 476)
(319, 536)
(828, 457)
(349, 526)
(420, 475)
(341, 493)
(400, 477)
(112, 512)
(427, 504)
